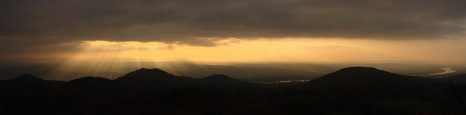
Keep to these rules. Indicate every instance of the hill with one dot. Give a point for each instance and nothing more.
(89, 82)
(353, 90)
(147, 74)
(27, 78)
(365, 88)
(222, 79)
(154, 78)
(365, 77)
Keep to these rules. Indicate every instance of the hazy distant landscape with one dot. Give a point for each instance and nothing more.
(233, 57)
(260, 72)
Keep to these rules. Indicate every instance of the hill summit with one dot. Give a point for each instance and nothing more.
(89, 80)
(221, 79)
(359, 71)
(358, 76)
(218, 77)
(27, 78)
(147, 74)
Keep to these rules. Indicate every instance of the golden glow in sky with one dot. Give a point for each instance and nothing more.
(111, 56)
(271, 50)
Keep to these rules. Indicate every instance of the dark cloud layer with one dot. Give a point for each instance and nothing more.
(26, 23)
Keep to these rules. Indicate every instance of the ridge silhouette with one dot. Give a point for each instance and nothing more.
(28, 78)
(89, 81)
(352, 90)
(221, 79)
(147, 74)
(363, 76)
(218, 77)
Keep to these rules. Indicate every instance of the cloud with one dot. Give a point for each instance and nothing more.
(28, 23)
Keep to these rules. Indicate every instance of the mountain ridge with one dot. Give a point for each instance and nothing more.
(372, 79)
(364, 90)
(27, 77)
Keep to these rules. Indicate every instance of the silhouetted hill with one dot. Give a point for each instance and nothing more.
(91, 85)
(367, 87)
(150, 79)
(458, 78)
(151, 75)
(221, 79)
(147, 74)
(353, 90)
(27, 78)
(364, 77)
(90, 81)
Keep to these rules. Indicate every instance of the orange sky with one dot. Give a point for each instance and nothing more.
(268, 50)
(317, 31)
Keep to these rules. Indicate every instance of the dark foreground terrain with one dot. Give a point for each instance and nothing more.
(354, 90)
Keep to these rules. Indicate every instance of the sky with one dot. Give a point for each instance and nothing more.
(233, 31)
